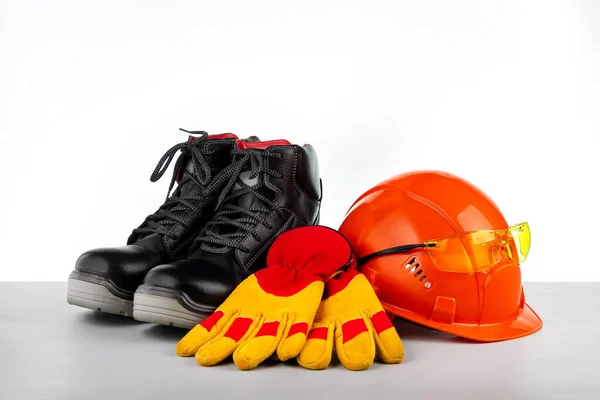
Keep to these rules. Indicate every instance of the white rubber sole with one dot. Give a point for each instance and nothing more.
(97, 297)
(163, 311)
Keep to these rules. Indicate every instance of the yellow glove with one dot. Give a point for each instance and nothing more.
(272, 309)
(351, 312)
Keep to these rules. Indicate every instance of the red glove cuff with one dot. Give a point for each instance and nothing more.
(302, 256)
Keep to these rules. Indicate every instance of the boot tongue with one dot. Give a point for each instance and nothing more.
(248, 200)
(188, 188)
(216, 154)
(257, 147)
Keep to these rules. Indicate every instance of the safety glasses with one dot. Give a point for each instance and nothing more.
(471, 251)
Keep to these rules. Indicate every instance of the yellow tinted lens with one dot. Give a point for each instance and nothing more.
(469, 252)
(522, 237)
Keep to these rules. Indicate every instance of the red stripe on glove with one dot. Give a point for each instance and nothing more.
(318, 333)
(381, 322)
(298, 327)
(211, 321)
(238, 329)
(268, 329)
(353, 328)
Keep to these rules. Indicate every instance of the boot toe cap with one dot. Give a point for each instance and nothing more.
(199, 282)
(124, 266)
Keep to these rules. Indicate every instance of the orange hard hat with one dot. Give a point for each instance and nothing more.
(439, 252)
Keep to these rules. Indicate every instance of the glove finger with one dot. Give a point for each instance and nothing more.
(224, 344)
(261, 344)
(389, 345)
(318, 350)
(202, 333)
(295, 338)
(354, 343)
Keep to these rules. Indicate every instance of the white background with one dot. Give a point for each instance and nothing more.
(504, 94)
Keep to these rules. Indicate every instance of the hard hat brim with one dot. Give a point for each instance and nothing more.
(526, 323)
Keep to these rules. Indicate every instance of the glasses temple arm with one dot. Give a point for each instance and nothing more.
(392, 250)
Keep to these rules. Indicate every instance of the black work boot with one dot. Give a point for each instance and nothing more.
(105, 279)
(275, 187)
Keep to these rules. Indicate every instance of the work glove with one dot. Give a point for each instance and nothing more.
(272, 309)
(351, 314)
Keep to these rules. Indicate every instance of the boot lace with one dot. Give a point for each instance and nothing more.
(231, 223)
(176, 207)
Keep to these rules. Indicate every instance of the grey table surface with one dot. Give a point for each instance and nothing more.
(51, 350)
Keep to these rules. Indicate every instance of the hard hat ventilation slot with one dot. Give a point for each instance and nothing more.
(414, 268)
